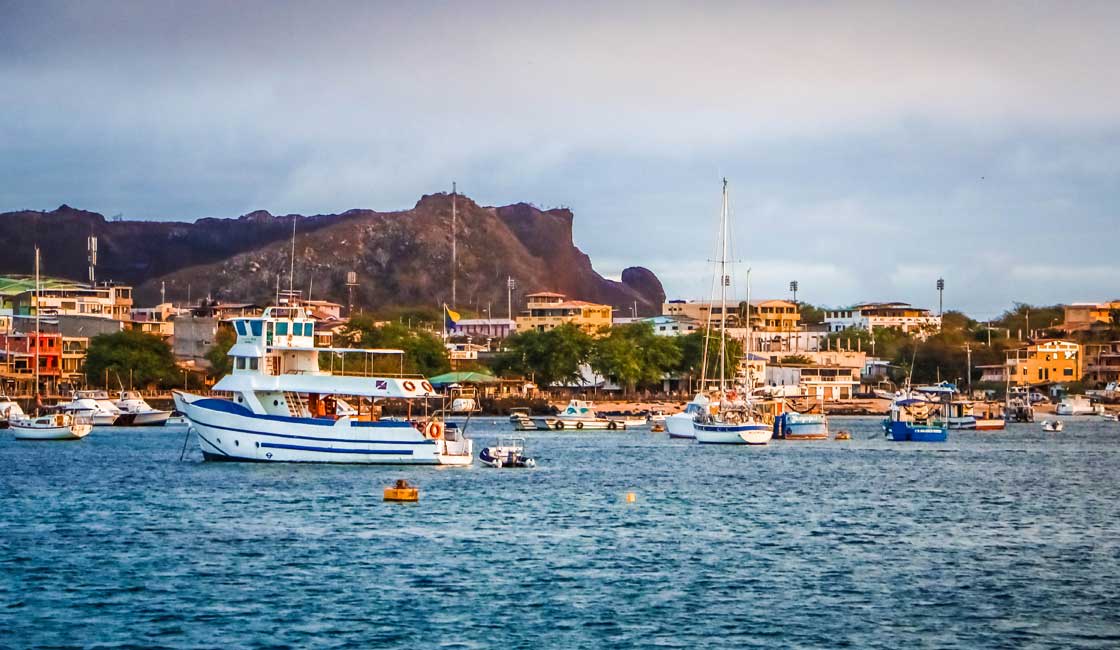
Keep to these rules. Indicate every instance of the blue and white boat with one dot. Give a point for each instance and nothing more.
(733, 427)
(284, 408)
(792, 425)
(913, 419)
(679, 425)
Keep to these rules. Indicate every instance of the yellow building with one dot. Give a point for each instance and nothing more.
(1045, 362)
(546, 310)
(766, 315)
(1082, 315)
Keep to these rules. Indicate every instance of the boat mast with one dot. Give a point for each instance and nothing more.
(454, 249)
(723, 282)
(37, 299)
(292, 269)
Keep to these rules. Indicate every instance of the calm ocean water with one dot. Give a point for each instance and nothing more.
(1008, 539)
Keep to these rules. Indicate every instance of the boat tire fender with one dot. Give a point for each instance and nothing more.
(612, 425)
(579, 425)
(559, 426)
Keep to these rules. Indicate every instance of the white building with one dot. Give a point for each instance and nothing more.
(673, 325)
(817, 381)
(869, 316)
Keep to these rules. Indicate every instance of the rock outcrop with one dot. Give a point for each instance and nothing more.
(401, 258)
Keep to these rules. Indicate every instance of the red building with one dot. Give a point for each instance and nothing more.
(17, 362)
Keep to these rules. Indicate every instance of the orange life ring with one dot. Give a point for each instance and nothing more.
(427, 387)
(434, 430)
(408, 385)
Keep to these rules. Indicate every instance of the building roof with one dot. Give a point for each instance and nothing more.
(465, 377)
(11, 285)
(545, 294)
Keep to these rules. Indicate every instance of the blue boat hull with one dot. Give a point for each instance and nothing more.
(907, 432)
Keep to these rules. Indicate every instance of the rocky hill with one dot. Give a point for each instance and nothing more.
(401, 258)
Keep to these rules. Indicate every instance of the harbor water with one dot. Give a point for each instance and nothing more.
(994, 539)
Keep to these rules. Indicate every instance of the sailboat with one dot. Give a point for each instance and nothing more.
(729, 418)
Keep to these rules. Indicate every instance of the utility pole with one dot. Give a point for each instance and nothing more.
(510, 284)
(454, 249)
(968, 354)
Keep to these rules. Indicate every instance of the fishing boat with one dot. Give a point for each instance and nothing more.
(95, 405)
(729, 418)
(679, 425)
(1052, 426)
(283, 406)
(1077, 405)
(958, 414)
(507, 453)
(792, 425)
(912, 419)
(10, 411)
(578, 414)
(53, 426)
(132, 403)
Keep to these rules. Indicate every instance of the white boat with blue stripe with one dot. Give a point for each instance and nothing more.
(283, 408)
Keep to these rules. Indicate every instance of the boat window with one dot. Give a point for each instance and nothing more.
(257, 327)
(239, 363)
(281, 329)
(253, 363)
(240, 325)
(308, 329)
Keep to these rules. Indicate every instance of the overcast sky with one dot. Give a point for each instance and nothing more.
(870, 147)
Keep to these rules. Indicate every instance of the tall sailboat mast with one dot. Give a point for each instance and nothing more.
(38, 298)
(724, 280)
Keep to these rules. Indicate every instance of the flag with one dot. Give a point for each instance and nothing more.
(450, 318)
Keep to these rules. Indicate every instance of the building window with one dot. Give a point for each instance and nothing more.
(1068, 372)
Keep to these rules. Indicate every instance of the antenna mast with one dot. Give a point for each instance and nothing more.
(292, 269)
(454, 247)
(38, 298)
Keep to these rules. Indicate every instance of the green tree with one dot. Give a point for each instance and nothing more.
(550, 357)
(692, 354)
(1039, 318)
(634, 355)
(796, 359)
(810, 314)
(424, 352)
(218, 354)
(148, 358)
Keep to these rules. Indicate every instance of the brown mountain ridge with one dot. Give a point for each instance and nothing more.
(401, 258)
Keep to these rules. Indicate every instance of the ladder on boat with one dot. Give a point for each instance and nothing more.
(297, 408)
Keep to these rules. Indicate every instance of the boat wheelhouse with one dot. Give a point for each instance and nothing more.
(284, 407)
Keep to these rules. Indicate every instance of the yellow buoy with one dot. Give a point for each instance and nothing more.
(631, 497)
(402, 491)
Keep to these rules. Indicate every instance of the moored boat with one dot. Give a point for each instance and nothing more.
(95, 405)
(53, 426)
(911, 420)
(792, 425)
(10, 410)
(507, 453)
(283, 407)
(1078, 405)
(578, 414)
(680, 425)
(132, 403)
(1052, 426)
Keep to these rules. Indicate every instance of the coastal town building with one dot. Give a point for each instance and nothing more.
(546, 310)
(485, 328)
(874, 315)
(1102, 362)
(673, 325)
(819, 381)
(1045, 362)
(18, 354)
(765, 315)
(1083, 315)
(64, 297)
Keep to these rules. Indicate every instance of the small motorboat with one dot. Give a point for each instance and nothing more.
(657, 416)
(843, 435)
(517, 413)
(657, 427)
(506, 452)
(1052, 426)
(54, 426)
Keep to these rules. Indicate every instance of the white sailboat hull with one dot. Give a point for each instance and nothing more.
(752, 433)
(150, 418)
(74, 432)
(680, 426)
(229, 432)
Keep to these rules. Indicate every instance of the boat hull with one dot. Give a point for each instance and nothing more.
(230, 432)
(796, 426)
(993, 424)
(562, 424)
(150, 418)
(907, 432)
(74, 432)
(754, 433)
(680, 426)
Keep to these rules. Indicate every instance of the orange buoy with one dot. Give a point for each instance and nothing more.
(402, 491)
